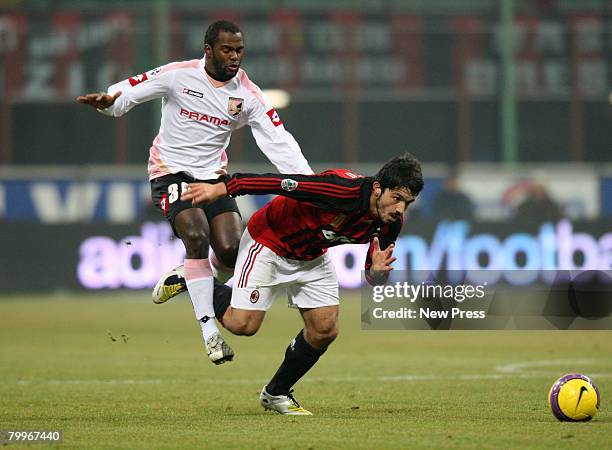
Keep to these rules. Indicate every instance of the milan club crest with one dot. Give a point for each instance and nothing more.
(234, 106)
(289, 185)
(254, 296)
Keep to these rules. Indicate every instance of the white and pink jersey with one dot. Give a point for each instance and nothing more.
(198, 117)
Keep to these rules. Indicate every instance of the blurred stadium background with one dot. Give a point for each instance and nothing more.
(506, 103)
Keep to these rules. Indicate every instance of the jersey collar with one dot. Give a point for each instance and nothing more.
(366, 191)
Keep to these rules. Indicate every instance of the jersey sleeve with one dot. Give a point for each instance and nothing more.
(387, 237)
(279, 146)
(139, 89)
(327, 190)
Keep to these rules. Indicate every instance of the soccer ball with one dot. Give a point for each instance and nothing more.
(574, 398)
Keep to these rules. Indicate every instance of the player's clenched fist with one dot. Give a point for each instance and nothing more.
(203, 192)
(99, 100)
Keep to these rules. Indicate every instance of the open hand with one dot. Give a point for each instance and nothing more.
(382, 259)
(203, 192)
(99, 100)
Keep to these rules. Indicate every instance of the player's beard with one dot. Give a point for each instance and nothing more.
(379, 210)
(388, 218)
(221, 74)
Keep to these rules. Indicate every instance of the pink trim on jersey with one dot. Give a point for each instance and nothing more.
(196, 269)
(224, 160)
(191, 64)
(156, 166)
(252, 87)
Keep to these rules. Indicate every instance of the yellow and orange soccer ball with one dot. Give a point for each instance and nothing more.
(574, 398)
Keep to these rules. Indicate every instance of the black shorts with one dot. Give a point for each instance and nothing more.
(166, 195)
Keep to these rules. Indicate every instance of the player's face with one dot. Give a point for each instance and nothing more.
(391, 204)
(223, 59)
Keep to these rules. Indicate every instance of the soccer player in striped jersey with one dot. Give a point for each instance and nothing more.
(203, 102)
(283, 251)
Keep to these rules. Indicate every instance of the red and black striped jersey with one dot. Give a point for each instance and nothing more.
(313, 212)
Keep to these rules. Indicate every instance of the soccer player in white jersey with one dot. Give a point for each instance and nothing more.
(203, 101)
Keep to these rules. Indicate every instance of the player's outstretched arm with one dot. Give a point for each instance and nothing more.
(99, 100)
(328, 190)
(203, 193)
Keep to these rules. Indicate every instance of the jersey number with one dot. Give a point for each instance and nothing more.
(174, 193)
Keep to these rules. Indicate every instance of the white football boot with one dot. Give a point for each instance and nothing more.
(218, 350)
(283, 404)
(171, 284)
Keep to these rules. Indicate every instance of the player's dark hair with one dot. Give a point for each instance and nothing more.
(212, 33)
(401, 172)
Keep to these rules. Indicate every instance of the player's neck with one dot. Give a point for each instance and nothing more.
(214, 78)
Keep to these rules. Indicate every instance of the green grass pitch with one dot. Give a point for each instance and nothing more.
(117, 371)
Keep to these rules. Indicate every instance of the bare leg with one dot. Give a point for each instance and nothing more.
(321, 325)
(242, 321)
(226, 230)
(192, 227)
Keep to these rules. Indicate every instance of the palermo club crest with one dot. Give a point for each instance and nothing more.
(234, 106)
(289, 185)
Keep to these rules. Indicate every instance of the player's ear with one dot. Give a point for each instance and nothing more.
(377, 189)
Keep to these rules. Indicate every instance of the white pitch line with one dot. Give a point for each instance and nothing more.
(519, 367)
(258, 381)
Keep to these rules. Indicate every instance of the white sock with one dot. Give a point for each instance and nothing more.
(198, 276)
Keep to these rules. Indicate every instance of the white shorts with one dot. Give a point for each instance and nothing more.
(261, 276)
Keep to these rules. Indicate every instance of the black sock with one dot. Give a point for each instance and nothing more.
(222, 296)
(300, 356)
